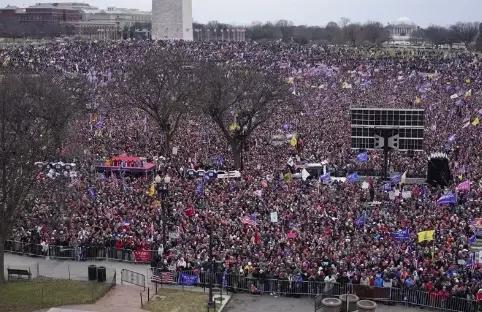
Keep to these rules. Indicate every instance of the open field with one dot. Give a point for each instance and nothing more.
(26, 296)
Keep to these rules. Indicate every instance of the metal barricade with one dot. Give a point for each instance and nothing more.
(133, 278)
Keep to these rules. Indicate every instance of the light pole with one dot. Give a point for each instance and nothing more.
(211, 303)
(163, 193)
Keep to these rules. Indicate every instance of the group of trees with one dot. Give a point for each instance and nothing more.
(36, 111)
(169, 86)
(466, 33)
(371, 33)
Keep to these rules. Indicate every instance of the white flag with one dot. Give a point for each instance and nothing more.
(304, 174)
(274, 217)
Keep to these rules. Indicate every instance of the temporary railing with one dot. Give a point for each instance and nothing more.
(81, 253)
(132, 277)
(236, 282)
(320, 290)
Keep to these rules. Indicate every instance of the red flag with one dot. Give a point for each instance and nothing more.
(291, 234)
(189, 212)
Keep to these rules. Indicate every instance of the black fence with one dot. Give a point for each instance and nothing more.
(133, 278)
(320, 290)
(234, 282)
(80, 253)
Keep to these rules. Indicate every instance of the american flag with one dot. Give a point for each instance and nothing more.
(249, 220)
(163, 278)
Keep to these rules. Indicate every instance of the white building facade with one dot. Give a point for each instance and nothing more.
(172, 20)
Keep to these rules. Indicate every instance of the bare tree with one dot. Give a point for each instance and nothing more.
(374, 33)
(239, 100)
(34, 111)
(478, 42)
(160, 85)
(465, 32)
(438, 35)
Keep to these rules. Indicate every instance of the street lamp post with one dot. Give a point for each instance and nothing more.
(163, 192)
(211, 303)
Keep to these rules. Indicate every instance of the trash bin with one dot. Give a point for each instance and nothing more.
(101, 275)
(92, 272)
(366, 306)
(352, 300)
(331, 305)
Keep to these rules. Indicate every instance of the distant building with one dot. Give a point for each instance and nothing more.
(207, 33)
(172, 20)
(100, 30)
(11, 11)
(402, 30)
(122, 16)
(50, 13)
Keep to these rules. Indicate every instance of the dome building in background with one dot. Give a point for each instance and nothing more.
(402, 29)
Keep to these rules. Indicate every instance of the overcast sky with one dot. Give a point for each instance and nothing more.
(311, 12)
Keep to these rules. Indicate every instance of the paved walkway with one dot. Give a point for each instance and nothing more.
(119, 299)
(70, 269)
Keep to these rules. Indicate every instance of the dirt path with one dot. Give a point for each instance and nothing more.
(121, 298)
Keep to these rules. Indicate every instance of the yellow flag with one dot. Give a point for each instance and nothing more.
(233, 127)
(476, 122)
(418, 100)
(294, 141)
(467, 81)
(287, 177)
(151, 191)
(425, 236)
(468, 93)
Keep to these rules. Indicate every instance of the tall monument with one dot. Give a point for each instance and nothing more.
(172, 20)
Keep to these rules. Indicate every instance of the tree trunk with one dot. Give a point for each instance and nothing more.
(237, 150)
(2, 262)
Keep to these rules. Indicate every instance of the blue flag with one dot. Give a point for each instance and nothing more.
(91, 192)
(298, 278)
(218, 160)
(100, 122)
(447, 199)
(325, 178)
(452, 138)
(188, 280)
(362, 157)
(353, 177)
(387, 187)
(225, 279)
(200, 188)
(472, 239)
(361, 220)
(396, 178)
(401, 235)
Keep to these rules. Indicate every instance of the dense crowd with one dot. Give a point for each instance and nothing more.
(335, 231)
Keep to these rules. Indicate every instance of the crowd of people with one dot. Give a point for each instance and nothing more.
(336, 231)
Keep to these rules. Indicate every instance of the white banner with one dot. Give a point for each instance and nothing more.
(274, 217)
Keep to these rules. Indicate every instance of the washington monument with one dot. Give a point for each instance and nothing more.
(172, 20)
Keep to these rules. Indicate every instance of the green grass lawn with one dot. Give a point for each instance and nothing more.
(27, 296)
(172, 300)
